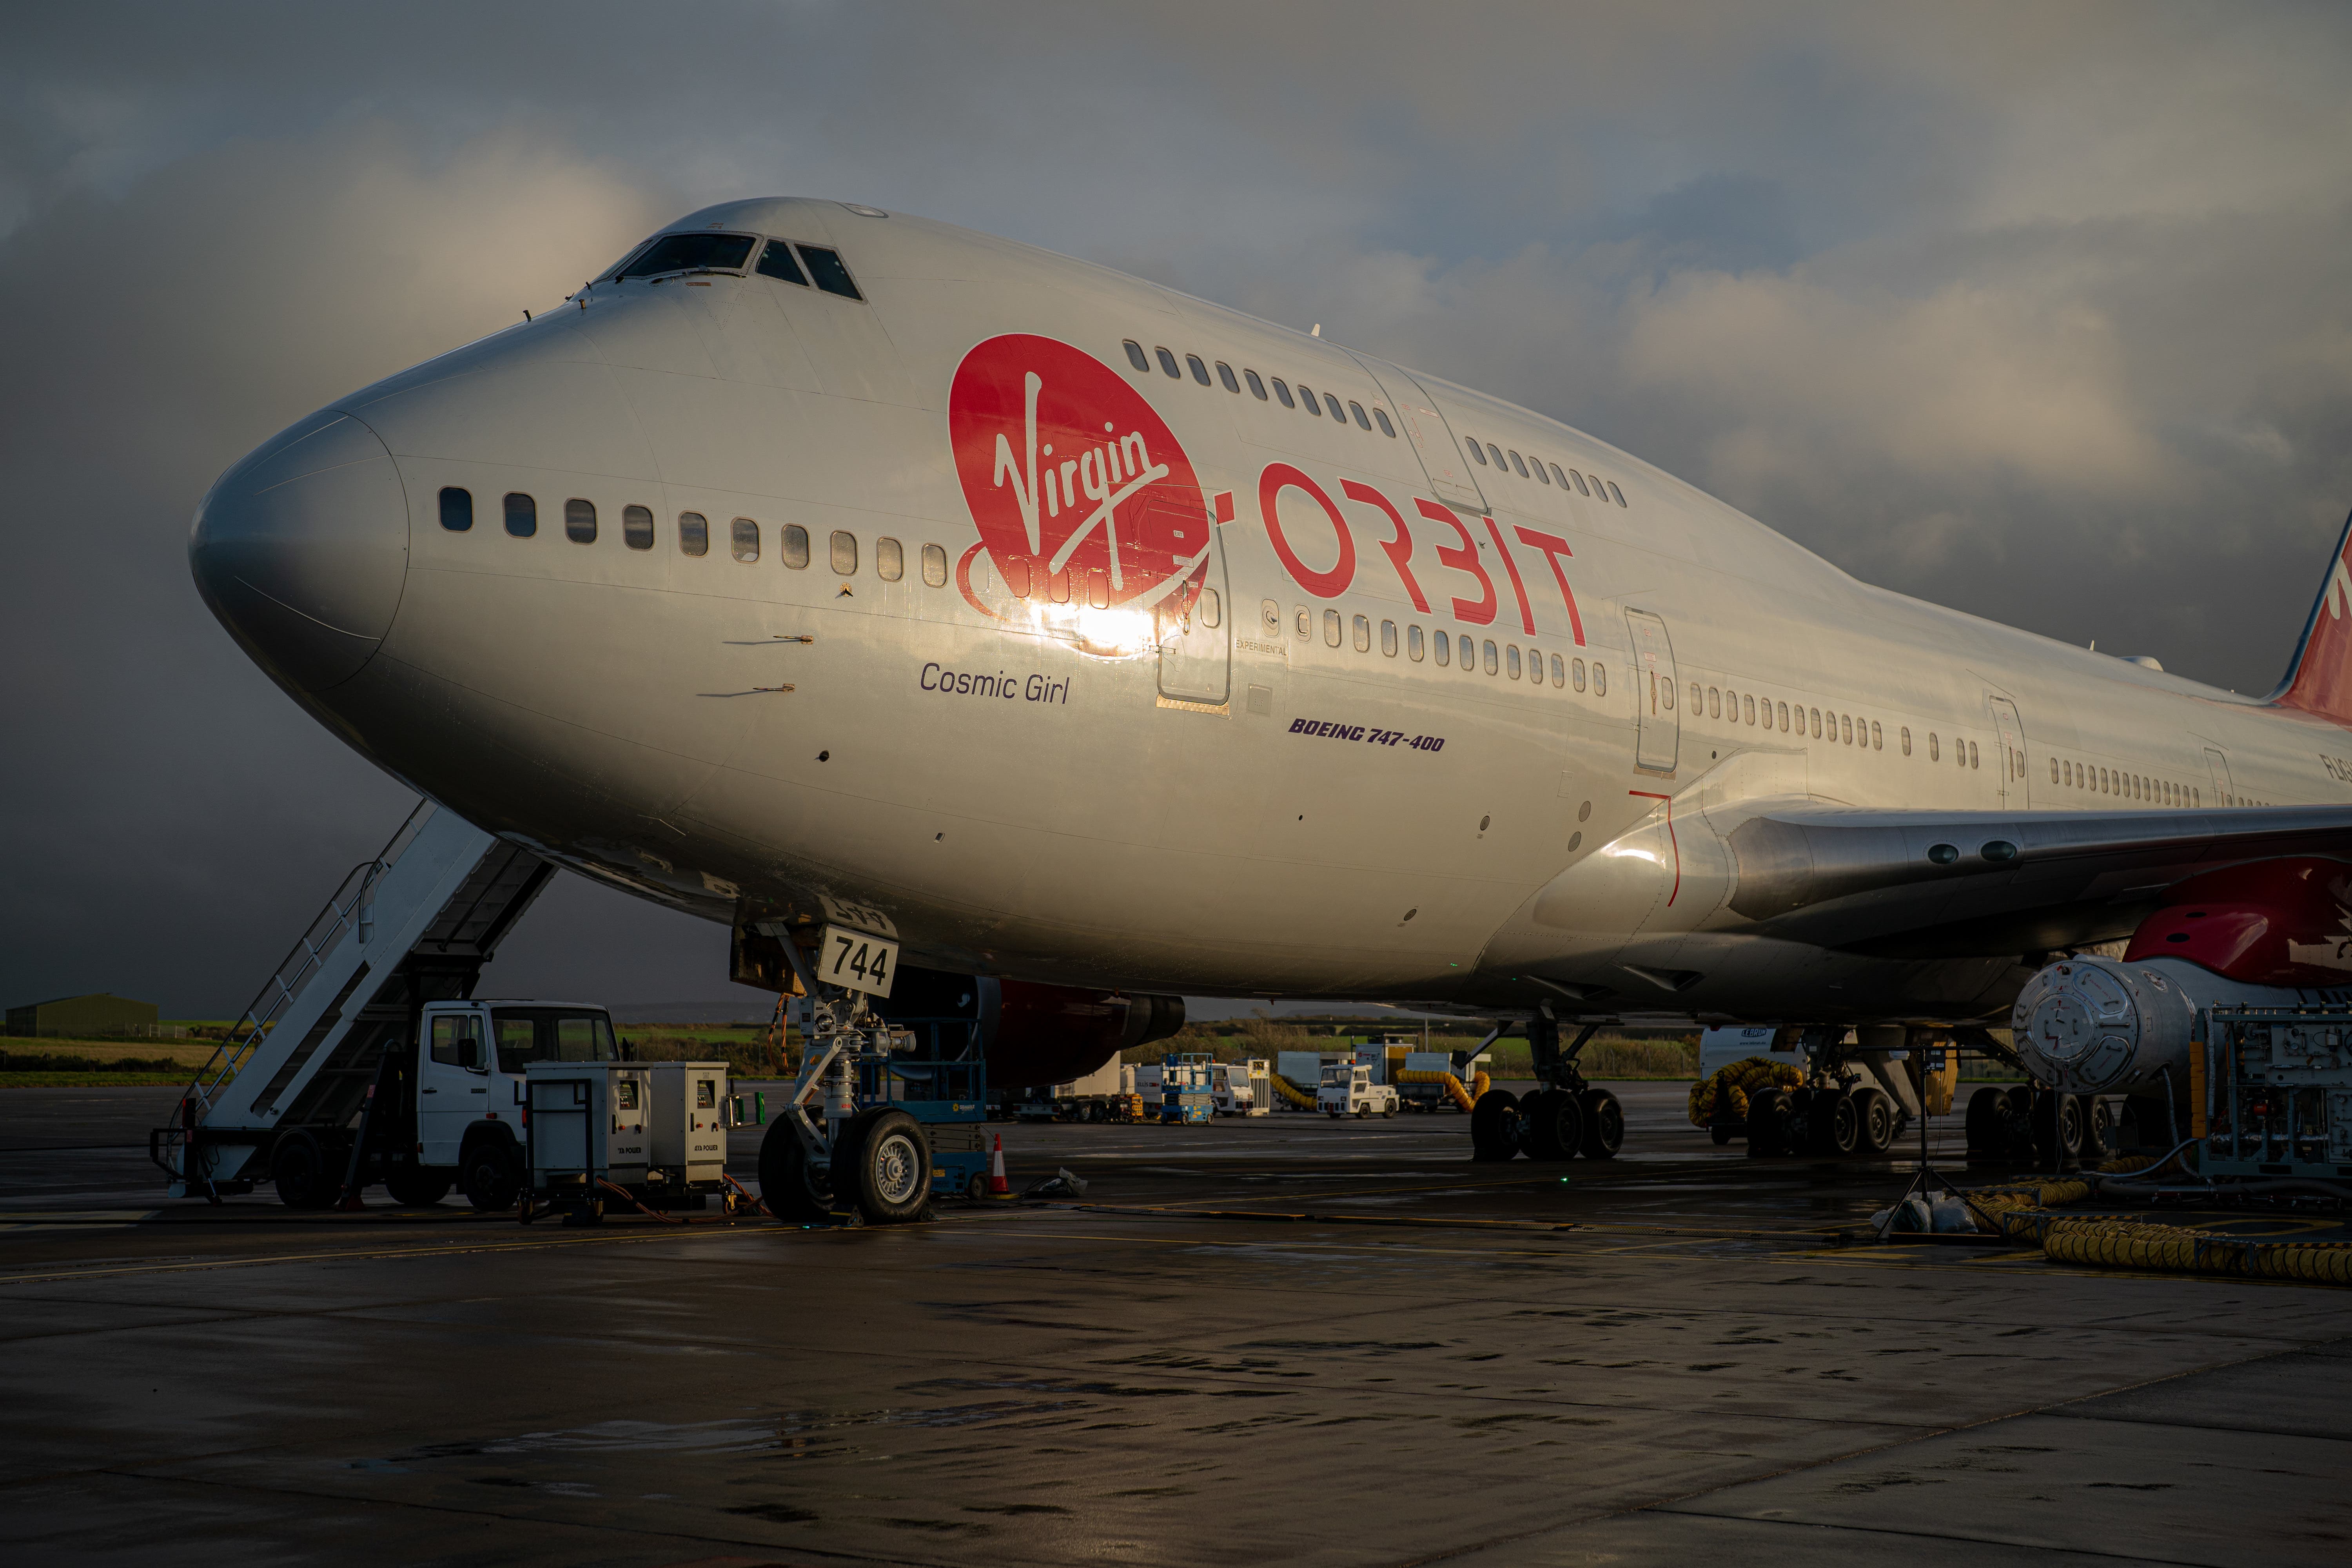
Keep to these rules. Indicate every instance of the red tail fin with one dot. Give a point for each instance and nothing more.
(2320, 679)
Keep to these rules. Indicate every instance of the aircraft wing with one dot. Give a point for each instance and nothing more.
(1904, 884)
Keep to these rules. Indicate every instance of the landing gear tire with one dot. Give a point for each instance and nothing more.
(795, 1191)
(889, 1172)
(490, 1175)
(1767, 1123)
(1987, 1123)
(2099, 1128)
(1494, 1126)
(299, 1166)
(417, 1186)
(1604, 1125)
(1875, 1121)
(2057, 1127)
(1836, 1123)
(1718, 1136)
(1554, 1120)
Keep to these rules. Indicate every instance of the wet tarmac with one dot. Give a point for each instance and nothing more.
(1285, 1340)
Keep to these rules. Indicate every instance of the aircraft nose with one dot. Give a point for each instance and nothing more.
(301, 550)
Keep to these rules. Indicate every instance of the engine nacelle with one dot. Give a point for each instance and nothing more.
(1035, 1034)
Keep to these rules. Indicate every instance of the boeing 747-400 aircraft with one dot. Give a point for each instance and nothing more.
(818, 566)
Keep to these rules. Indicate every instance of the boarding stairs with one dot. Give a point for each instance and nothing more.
(413, 923)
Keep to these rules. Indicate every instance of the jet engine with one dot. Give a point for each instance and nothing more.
(1035, 1034)
(2273, 932)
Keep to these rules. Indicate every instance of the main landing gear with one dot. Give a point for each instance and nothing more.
(869, 1164)
(1563, 1119)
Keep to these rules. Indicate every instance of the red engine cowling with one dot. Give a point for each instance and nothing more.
(1035, 1034)
(2274, 922)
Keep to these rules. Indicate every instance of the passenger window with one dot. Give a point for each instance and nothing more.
(1281, 393)
(457, 508)
(1388, 639)
(743, 538)
(1904, 735)
(776, 261)
(935, 566)
(580, 520)
(1748, 710)
(1412, 644)
(1600, 679)
(1307, 400)
(1576, 674)
(1497, 453)
(1521, 464)
(1615, 494)
(2053, 770)
(1492, 662)
(1784, 717)
(1817, 725)
(1200, 371)
(1877, 737)
(889, 559)
(1386, 428)
(1331, 401)
(1558, 478)
(1225, 375)
(1845, 729)
(1512, 661)
(693, 533)
(522, 514)
(1714, 703)
(1541, 477)
(793, 547)
(1559, 672)
(1302, 622)
(1476, 453)
(1098, 588)
(1331, 627)
(1168, 365)
(1257, 387)
(1135, 355)
(637, 528)
(1579, 482)
(1976, 758)
(1697, 700)
(1213, 609)
(1363, 421)
(845, 553)
(831, 276)
(1445, 647)
(1665, 690)
(1362, 628)
(1935, 747)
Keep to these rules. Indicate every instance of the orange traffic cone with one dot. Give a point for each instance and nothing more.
(998, 1187)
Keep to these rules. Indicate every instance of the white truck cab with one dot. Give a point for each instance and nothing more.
(1348, 1090)
(470, 1058)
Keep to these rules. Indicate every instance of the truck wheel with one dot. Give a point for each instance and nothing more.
(1767, 1123)
(1363, 1110)
(490, 1175)
(417, 1186)
(890, 1175)
(1604, 1125)
(1555, 1124)
(1495, 1125)
(1718, 1136)
(1391, 1110)
(795, 1191)
(2057, 1127)
(299, 1166)
(1836, 1123)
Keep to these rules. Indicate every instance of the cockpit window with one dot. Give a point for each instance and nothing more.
(690, 253)
(831, 276)
(776, 261)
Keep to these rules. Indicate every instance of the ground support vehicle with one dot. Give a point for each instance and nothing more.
(365, 1060)
(1348, 1090)
(649, 1135)
(1094, 1098)
(1241, 1089)
(1562, 1119)
(1184, 1092)
(2275, 1095)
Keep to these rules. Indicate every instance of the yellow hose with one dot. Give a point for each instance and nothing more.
(1452, 1085)
(1293, 1093)
(1729, 1088)
(2024, 1213)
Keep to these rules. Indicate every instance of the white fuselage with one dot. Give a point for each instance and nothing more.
(1277, 804)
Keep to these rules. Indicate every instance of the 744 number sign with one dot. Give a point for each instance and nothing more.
(857, 961)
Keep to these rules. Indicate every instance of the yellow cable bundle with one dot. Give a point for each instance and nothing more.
(1452, 1085)
(1728, 1089)
(2023, 1212)
(1293, 1093)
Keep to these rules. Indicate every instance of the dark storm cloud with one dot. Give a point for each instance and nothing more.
(2036, 310)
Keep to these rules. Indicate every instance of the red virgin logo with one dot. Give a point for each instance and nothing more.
(1079, 489)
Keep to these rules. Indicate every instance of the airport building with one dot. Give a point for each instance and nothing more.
(101, 1013)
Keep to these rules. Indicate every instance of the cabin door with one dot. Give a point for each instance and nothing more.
(1195, 636)
(1433, 440)
(2013, 780)
(2219, 765)
(1658, 727)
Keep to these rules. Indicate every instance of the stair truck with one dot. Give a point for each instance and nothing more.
(366, 1058)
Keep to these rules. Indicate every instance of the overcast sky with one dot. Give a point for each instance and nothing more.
(2036, 310)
